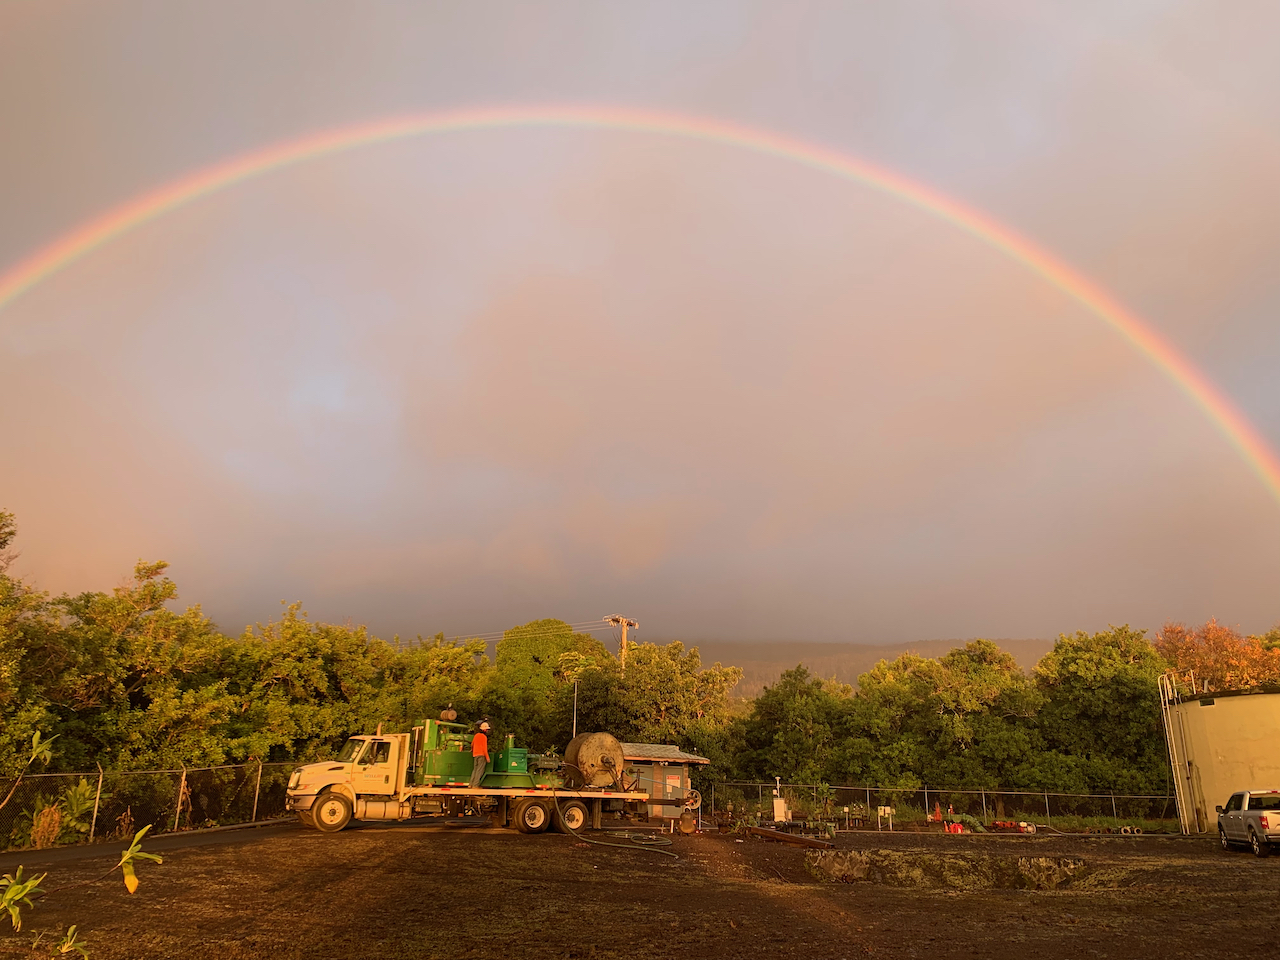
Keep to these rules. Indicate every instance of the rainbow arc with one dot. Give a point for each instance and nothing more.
(114, 223)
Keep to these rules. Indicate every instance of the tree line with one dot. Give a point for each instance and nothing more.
(125, 680)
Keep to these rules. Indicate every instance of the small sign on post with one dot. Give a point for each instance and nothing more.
(883, 813)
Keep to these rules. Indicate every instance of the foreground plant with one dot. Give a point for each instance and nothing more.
(14, 892)
(17, 892)
(135, 852)
(71, 943)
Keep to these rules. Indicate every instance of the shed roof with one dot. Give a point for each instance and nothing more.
(659, 751)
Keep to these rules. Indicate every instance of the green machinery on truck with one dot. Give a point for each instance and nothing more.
(426, 773)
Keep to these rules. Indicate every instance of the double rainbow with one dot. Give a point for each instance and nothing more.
(120, 220)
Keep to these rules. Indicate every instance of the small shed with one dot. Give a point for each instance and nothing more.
(663, 771)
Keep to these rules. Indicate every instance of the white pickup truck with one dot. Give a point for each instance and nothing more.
(1252, 817)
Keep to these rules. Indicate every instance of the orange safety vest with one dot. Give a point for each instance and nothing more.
(480, 745)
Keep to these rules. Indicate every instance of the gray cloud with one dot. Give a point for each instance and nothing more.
(469, 380)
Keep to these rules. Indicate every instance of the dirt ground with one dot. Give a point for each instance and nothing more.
(407, 891)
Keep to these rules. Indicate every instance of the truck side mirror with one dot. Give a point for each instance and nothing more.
(1218, 808)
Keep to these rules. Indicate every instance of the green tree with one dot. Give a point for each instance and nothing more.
(433, 674)
(961, 720)
(793, 729)
(1269, 640)
(306, 686)
(139, 685)
(1100, 722)
(8, 531)
(665, 696)
(530, 693)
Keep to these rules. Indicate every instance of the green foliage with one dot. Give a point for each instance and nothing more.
(960, 720)
(77, 811)
(1271, 639)
(533, 665)
(71, 812)
(793, 729)
(15, 893)
(71, 943)
(131, 856)
(1100, 723)
(665, 695)
(8, 530)
(128, 679)
(41, 748)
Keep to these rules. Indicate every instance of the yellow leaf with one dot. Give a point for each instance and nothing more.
(130, 878)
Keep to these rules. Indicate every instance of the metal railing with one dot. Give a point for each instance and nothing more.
(1041, 806)
(50, 809)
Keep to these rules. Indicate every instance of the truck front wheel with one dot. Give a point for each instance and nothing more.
(1222, 839)
(1260, 847)
(331, 812)
(532, 816)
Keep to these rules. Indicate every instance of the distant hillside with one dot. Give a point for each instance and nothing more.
(763, 662)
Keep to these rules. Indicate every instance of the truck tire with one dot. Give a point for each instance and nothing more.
(532, 816)
(571, 816)
(1222, 839)
(1261, 848)
(331, 812)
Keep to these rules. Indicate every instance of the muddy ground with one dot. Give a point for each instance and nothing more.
(401, 891)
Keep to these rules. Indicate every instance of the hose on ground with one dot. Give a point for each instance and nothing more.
(636, 841)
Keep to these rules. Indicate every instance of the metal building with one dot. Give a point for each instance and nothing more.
(663, 771)
(1218, 743)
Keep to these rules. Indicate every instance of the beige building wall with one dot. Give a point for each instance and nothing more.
(1223, 744)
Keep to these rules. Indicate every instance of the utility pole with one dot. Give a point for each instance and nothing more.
(620, 621)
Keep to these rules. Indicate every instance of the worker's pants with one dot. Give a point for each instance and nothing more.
(477, 770)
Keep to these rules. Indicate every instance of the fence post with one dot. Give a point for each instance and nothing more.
(984, 805)
(97, 797)
(1114, 815)
(257, 787)
(182, 788)
(1047, 820)
(713, 801)
(926, 803)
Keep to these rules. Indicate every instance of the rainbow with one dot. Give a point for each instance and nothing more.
(75, 244)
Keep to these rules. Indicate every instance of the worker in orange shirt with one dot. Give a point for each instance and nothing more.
(479, 753)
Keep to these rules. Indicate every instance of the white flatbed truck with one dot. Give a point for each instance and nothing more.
(425, 774)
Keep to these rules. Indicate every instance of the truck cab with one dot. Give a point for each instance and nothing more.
(367, 767)
(375, 767)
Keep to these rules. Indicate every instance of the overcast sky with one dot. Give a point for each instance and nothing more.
(462, 381)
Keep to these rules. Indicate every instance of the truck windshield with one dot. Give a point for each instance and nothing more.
(351, 749)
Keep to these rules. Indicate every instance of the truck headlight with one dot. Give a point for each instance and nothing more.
(295, 779)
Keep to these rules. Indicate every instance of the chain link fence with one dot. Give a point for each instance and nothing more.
(49, 809)
(1066, 810)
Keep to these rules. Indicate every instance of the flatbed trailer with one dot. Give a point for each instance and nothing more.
(425, 774)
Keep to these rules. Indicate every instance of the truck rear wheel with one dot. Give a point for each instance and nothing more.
(1260, 847)
(532, 816)
(331, 812)
(571, 816)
